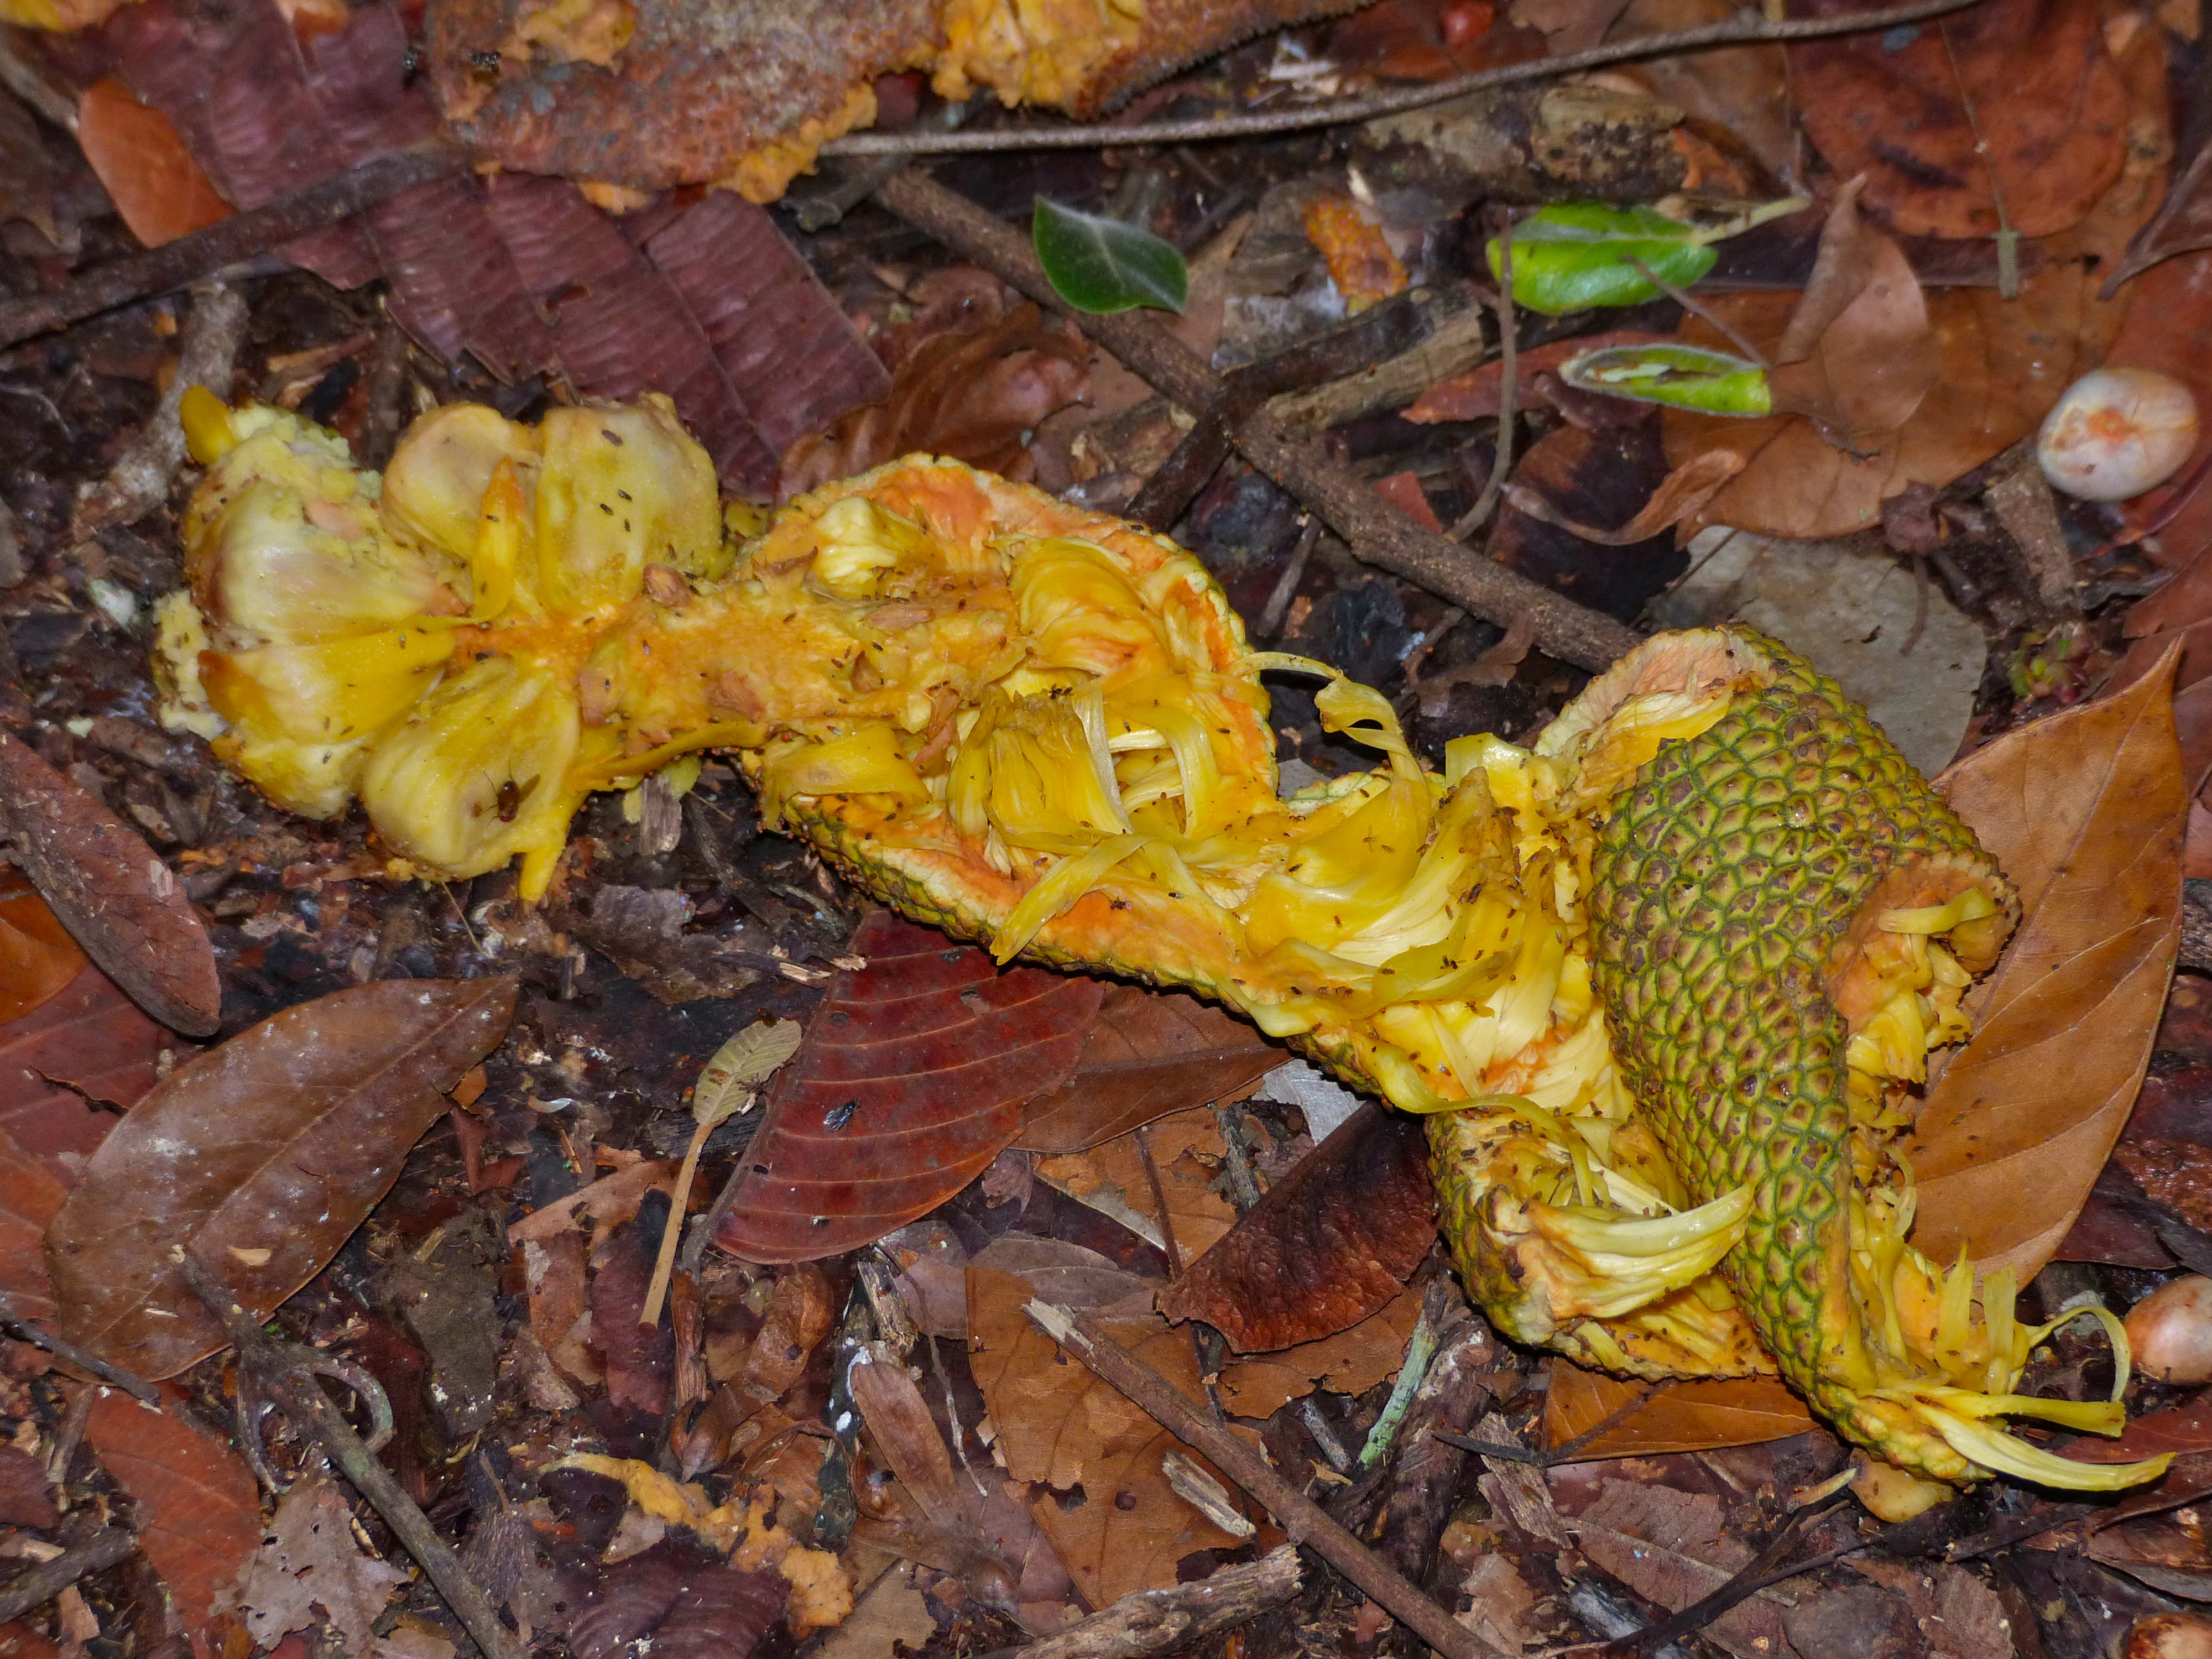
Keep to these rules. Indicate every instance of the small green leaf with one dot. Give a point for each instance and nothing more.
(1577, 255)
(1098, 265)
(1678, 376)
(740, 1067)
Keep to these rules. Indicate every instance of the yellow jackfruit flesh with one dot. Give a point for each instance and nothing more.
(1042, 728)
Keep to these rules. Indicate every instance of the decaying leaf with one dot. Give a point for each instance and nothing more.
(282, 1139)
(37, 958)
(157, 187)
(1187, 1152)
(2031, 78)
(30, 1198)
(2084, 812)
(309, 1559)
(669, 1600)
(200, 1512)
(911, 1079)
(89, 1043)
(1349, 1361)
(116, 897)
(1120, 1526)
(1150, 1053)
(1667, 1417)
(1672, 1547)
(1326, 1245)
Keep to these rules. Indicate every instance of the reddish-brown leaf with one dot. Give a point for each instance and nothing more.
(1328, 1243)
(1349, 1362)
(2032, 77)
(619, 325)
(793, 356)
(2185, 1428)
(26, 1497)
(1667, 1417)
(116, 897)
(2084, 812)
(91, 1041)
(911, 1079)
(1536, 385)
(1149, 1054)
(279, 1141)
(37, 958)
(199, 1510)
(150, 176)
(30, 1197)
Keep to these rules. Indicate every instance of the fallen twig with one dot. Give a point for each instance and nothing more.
(139, 481)
(293, 1387)
(1378, 532)
(1757, 1574)
(189, 258)
(1303, 1519)
(1168, 1621)
(1501, 463)
(1108, 135)
(62, 1348)
(50, 1578)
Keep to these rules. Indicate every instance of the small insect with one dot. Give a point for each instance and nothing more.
(838, 1116)
(512, 796)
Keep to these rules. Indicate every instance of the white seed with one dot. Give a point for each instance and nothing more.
(2116, 432)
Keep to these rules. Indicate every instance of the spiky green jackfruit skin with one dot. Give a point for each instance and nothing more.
(1726, 876)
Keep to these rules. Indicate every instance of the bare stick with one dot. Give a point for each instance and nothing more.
(1378, 532)
(1305, 1521)
(1168, 1621)
(50, 1578)
(62, 1348)
(203, 252)
(1708, 38)
(300, 1398)
(1704, 314)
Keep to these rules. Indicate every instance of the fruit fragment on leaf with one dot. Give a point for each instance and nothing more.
(1661, 984)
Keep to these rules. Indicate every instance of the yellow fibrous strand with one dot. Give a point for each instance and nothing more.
(1042, 727)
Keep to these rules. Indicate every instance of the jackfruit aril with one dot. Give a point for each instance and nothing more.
(1662, 983)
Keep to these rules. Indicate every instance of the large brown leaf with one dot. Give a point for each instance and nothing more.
(37, 958)
(30, 1197)
(1118, 1525)
(116, 897)
(1328, 1243)
(1648, 1419)
(262, 1156)
(1149, 1054)
(911, 1079)
(2084, 811)
(199, 1511)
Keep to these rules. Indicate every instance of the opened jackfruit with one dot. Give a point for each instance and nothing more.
(1662, 983)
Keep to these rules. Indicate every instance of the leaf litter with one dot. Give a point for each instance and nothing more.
(830, 352)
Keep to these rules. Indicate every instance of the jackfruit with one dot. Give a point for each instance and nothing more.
(1662, 983)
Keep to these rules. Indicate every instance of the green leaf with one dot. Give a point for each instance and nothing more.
(1098, 265)
(1576, 255)
(1678, 376)
(740, 1067)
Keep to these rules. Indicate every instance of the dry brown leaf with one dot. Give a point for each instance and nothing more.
(1349, 1362)
(2084, 812)
(1124, 1528)
(141, 160)
(1674, 1417)
(1149, 1054)
(1680, 494)
(1672, 1547)
(30, 1196)
(1186, 1149)
(309, 1558)
(1858, 356)
(1331, 1241)
(2031, 78)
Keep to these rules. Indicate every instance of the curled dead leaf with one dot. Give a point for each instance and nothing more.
(2084, 812)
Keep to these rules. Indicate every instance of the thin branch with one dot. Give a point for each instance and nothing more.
(1305, 1521)
(186, 260)
(1107, 135)
(1378, 532)
(293, 1387)
(1168, 1621)
(1704, 314)
(62, 1348)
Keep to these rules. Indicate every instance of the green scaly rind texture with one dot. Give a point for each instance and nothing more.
(1725, 876)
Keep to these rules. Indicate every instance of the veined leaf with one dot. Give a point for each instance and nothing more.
(1099, 265)
(740, 1066)
(1677, 376)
